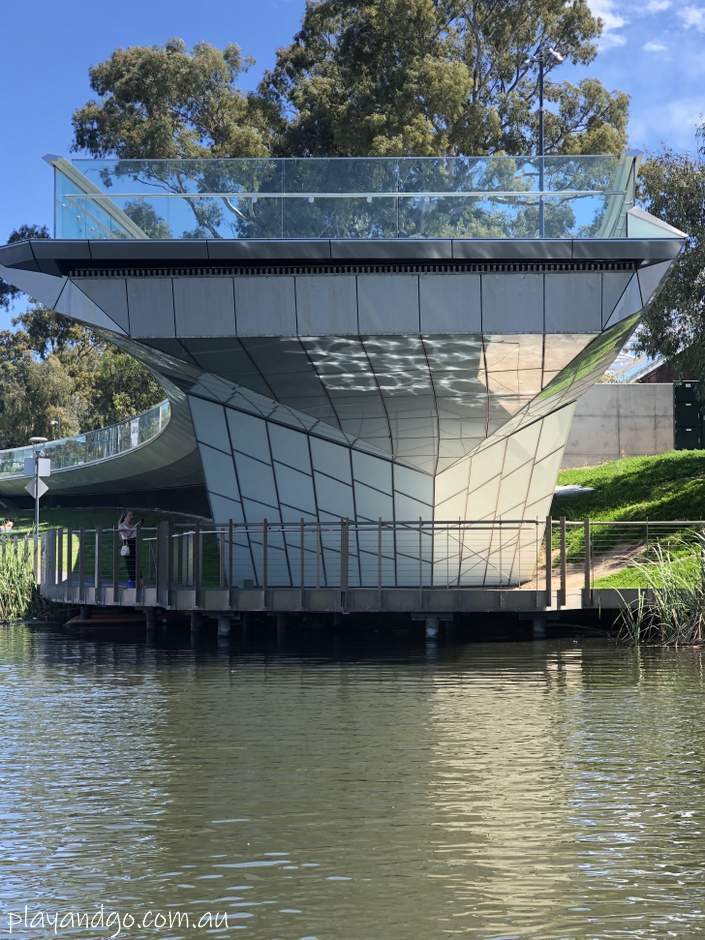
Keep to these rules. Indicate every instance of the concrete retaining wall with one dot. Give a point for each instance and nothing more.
(613, 421)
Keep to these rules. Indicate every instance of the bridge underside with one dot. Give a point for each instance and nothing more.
(406, 389)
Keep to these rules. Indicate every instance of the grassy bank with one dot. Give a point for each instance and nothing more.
(664, 488)
(85, 518)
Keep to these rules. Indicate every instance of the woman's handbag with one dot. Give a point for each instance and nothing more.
(125, 550)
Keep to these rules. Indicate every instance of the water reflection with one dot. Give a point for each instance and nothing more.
(528, 790)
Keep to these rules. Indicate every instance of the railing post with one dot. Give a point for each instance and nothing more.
(548, 541)
(220, 541)
(588, 558)
(344, 554)
(97, 566)
(302, 566)
(59, 555)
(196, 556)
(81, 565)
(69, 558)
(265, 556)
(318, 554)
(231, 561)
(138, 566)
(379, 559)
(564, 565)
(115, 559)
(163, 563)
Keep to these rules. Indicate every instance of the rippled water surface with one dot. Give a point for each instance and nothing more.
(511, 790)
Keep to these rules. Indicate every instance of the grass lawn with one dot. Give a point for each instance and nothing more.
(664, 488)
(83, 518)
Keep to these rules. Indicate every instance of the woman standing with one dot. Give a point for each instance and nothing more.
(127, 530)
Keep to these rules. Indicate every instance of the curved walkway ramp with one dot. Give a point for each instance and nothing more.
(154, 452)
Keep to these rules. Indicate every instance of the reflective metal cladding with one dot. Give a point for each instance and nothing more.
(363, 339)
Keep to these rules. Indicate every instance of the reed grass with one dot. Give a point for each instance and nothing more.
(671, 611)
(19, 597)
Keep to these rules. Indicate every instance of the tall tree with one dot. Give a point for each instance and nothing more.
(425, 77)
(167, 102)
(673, 188)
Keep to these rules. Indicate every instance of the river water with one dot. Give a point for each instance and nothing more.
(552, 789)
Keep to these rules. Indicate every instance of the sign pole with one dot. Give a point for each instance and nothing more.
(37, 488)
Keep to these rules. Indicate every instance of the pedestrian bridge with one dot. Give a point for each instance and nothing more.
(157, 445)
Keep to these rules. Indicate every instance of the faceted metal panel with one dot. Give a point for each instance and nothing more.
(331, 459)
(334, 497)
(512, 303)
(628, 304)
(290, 447)
(248, 434)
(613, 286)
(326, 304)
(265, 306)
(651, 277)
(573, 302)
(150, 301)
(450, 303)
(295, 488)
(388, 303)
(43, 288)
(204, 306)
(256, 480)
(74, 302)
(110, 294)
(219, 472)
(209, 423)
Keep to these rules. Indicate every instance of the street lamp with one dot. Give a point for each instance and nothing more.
(36, 443)
(56, 423)
(546, 56)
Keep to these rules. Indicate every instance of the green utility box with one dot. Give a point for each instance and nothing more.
(687, 415)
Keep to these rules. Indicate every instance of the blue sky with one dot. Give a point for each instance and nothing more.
(653, 49)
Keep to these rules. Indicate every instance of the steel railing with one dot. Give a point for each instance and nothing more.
(559, 557)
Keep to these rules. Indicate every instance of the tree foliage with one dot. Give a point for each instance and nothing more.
(427, 77)
(57, 376)
(673, 188)
(162, 101)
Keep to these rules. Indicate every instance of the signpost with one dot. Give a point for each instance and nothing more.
(37, 467)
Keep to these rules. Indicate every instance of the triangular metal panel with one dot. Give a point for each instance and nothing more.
(44, 288)
(651, 278)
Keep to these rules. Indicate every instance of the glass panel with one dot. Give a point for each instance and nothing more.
(93, 445)
(465, 197)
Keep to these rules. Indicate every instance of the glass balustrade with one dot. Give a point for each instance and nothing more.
(459, 197)
(69, 452)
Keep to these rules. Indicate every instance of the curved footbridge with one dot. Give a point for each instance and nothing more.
(361, 349)
(152, 458)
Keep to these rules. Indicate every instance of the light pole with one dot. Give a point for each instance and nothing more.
(36, 443)
(546, 55)
(56, 423)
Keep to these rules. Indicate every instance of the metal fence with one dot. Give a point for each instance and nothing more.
(560, 557)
